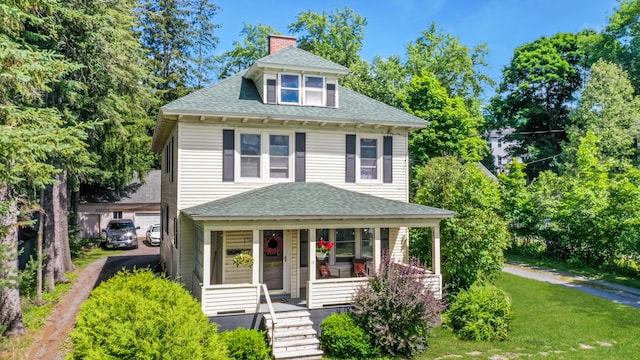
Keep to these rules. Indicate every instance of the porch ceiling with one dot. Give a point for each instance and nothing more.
(310, 201)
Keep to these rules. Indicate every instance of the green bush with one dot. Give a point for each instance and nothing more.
(27, 278)
(246, 344)
(482, 313)
(136, 315)
(344, 339)
(396, 309)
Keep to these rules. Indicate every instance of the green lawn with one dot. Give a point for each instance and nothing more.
(560, 322)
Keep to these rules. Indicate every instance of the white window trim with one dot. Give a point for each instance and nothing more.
(280, 88)
(322, 90)
(265, 169)
(378, 178)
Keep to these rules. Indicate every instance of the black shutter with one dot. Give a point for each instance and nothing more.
(387, 159)
(301, 145)
(172, 159)
(331, 95)
(350, 168)
(228, 149)
(271, 91)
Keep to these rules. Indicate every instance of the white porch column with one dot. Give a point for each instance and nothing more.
(377, 249)
(255, 250)
(312, 256)
(206, 271)
(435, 249)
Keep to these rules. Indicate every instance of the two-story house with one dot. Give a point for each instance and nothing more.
(269, 162)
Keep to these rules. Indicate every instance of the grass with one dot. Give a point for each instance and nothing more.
(552, 322)
(623, 277)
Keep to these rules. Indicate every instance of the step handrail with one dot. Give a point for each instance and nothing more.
(272, 312)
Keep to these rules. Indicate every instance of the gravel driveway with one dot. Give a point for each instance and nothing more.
(49, 343)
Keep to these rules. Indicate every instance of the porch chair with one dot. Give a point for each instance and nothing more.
(325, 271)
(360, 268)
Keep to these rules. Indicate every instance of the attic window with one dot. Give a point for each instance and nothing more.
(313, 90)
(289, 89)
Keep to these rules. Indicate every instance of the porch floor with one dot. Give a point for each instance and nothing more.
(283, 303)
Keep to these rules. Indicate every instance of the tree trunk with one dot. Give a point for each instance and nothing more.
(58, 253)
(10, 307)
(73, 216)
(41, 218)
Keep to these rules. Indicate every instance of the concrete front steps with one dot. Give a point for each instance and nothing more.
(294, 337)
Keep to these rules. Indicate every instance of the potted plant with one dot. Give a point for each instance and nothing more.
(323, 248)
(243, 259)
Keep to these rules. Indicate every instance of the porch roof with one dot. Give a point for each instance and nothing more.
(309, 201)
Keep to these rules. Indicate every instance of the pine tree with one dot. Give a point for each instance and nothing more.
(31, 134)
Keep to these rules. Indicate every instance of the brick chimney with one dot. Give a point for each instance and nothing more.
(279, 42)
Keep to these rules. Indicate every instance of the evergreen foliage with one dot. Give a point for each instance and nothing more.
(246, 344)
(178, 37)
(482, 313)
(344, 339)
(137, 315)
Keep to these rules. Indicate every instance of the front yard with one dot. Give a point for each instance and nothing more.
(551, 322)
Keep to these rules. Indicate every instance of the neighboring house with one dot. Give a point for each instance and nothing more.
(268, 162)
(139, 202)
(499, 148)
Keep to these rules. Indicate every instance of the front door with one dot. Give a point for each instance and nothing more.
(273, 259)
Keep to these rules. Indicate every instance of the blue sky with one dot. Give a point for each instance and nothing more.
(502, 24)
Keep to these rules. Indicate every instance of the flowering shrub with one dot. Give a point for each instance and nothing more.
(324, 246)
(243, 259)
(396, 308)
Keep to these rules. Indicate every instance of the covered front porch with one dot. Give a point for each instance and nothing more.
(283, 245)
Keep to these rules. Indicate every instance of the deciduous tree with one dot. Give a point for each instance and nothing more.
(337, 36)
(245, 52)
(477, 236)
(536, 94)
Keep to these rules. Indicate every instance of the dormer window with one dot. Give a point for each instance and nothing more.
(289, 89)
(298, 89)
(314, 90)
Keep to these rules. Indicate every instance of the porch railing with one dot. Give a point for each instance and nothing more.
(272, 312)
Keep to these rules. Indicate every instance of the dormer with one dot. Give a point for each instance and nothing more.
(290, 76)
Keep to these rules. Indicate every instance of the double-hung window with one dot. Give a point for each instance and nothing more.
(366, 242)
(279, 156)
(265, 156)
(250, 152)
(345, 245)
(289, 89)
(314, 90)
(368, 159)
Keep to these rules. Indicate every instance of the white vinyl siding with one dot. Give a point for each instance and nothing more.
(187, 253)
(236, 240)
(200, 165)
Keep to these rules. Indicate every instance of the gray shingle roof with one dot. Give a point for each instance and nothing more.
(237, 96)
(294, 57)
(136, 192)
(310, 200)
